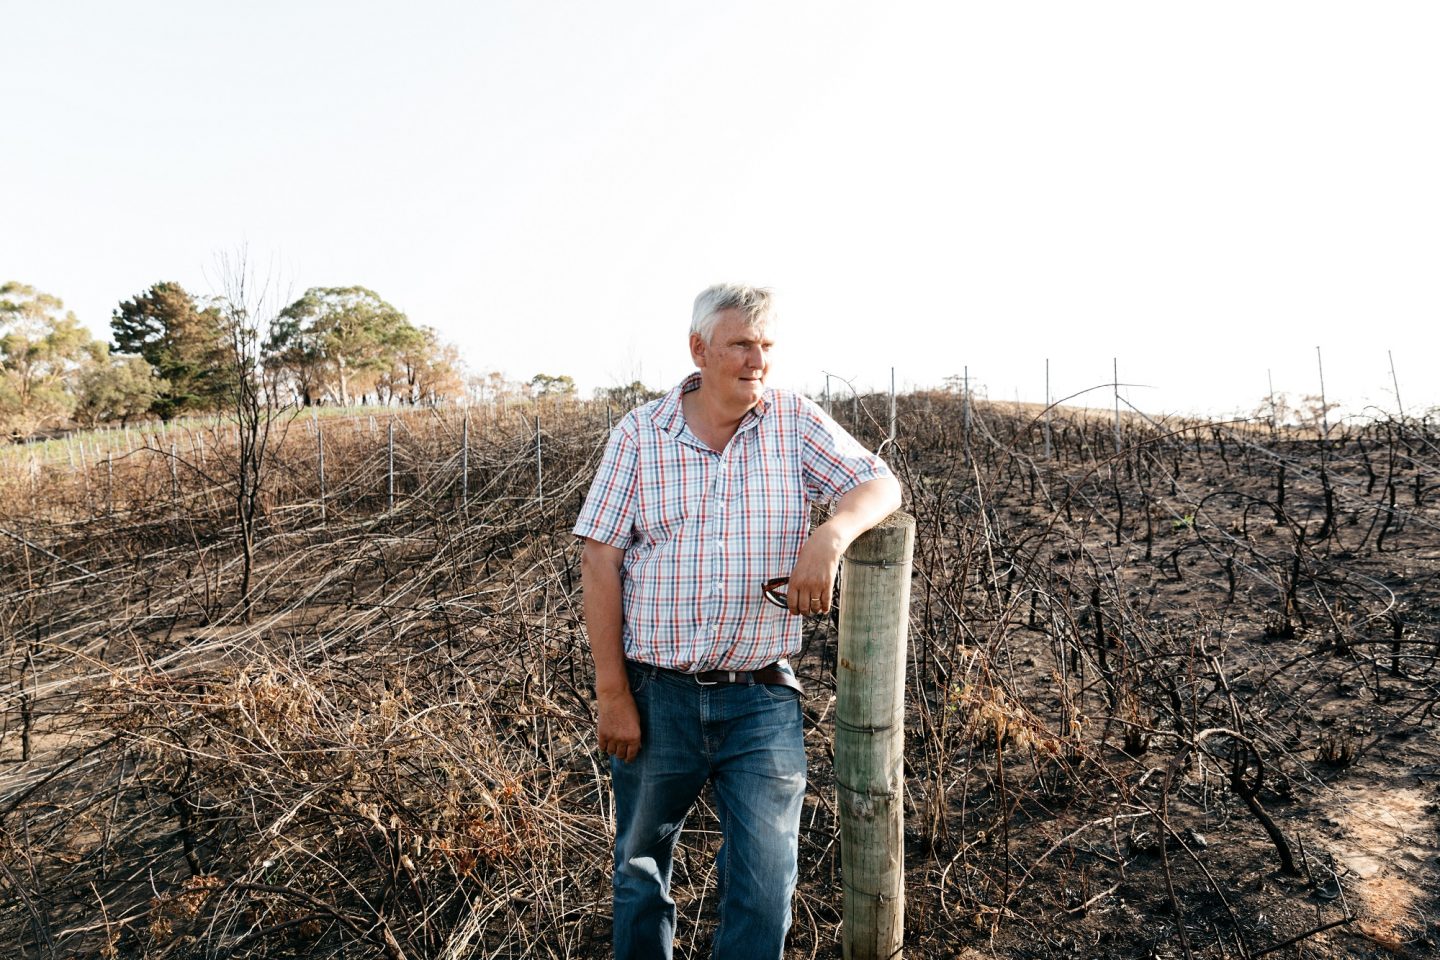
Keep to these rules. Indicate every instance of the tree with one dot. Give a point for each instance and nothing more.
(337, 342)
(626, 396)
(494, 387)
(248, 317)
(117, 388)
(406, 354)
(1315, 412)
(1310, 412)
(41, 350)
(183, 343)
(544, 385)
(427, 370)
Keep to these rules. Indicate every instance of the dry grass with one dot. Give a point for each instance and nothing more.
(394, 755)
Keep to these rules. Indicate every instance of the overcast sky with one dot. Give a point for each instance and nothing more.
(1207, 192)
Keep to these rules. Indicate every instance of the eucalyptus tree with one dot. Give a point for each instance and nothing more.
(117, 387)
(427, 370)
(43, 349)
(337, 343)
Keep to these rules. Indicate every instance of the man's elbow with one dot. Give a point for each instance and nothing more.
(889, 495)
(872, 501)
(599, 559)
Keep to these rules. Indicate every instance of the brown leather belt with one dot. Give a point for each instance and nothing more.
(771, 675)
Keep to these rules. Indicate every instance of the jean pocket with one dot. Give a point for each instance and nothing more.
(640, 677)
(778, 693)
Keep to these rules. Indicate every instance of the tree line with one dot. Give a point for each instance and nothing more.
(172, 354)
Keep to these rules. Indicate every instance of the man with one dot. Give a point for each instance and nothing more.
(702, 497)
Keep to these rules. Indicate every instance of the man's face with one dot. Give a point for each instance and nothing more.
(736, 360)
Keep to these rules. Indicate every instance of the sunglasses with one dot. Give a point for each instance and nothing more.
(774, 590)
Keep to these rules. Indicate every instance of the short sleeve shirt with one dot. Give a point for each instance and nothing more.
(702, 530)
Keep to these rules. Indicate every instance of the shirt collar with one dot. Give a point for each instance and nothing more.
(670, 416)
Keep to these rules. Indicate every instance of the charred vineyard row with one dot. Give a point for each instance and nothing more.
(375, 739)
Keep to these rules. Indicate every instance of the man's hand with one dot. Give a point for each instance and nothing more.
(619, 725)
(812, 581)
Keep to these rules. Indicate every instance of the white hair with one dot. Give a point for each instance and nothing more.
(756, 303)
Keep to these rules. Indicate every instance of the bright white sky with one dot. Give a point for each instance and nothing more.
(1206, 191)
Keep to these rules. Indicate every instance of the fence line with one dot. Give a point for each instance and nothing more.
(113, 445)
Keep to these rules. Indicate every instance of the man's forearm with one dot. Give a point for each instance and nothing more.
(601, 583)
(617, 722)
(860, 509)
(812, 579)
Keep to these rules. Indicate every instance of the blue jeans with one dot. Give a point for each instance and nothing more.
(746, 739)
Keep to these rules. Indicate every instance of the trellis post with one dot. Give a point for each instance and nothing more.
(465, 464)
(319, 458)
(892, 404)
(539, 466)
(1115, 385)
(1396, 381)
(965, 412)
(1047, 408)
(1274, 417)
(869, 736)
(390, 464)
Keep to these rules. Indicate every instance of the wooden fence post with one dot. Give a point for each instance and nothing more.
(870, 737)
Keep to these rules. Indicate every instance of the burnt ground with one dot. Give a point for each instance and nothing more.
(1175, 699)
(1123, 606)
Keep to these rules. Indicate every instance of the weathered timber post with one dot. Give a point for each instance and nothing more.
(869, 736)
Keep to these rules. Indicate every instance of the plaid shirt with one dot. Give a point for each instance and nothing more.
(703, 530)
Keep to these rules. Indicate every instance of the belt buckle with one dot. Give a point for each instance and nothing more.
(714, 683)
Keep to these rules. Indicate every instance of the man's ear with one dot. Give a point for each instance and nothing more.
(698, 347)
